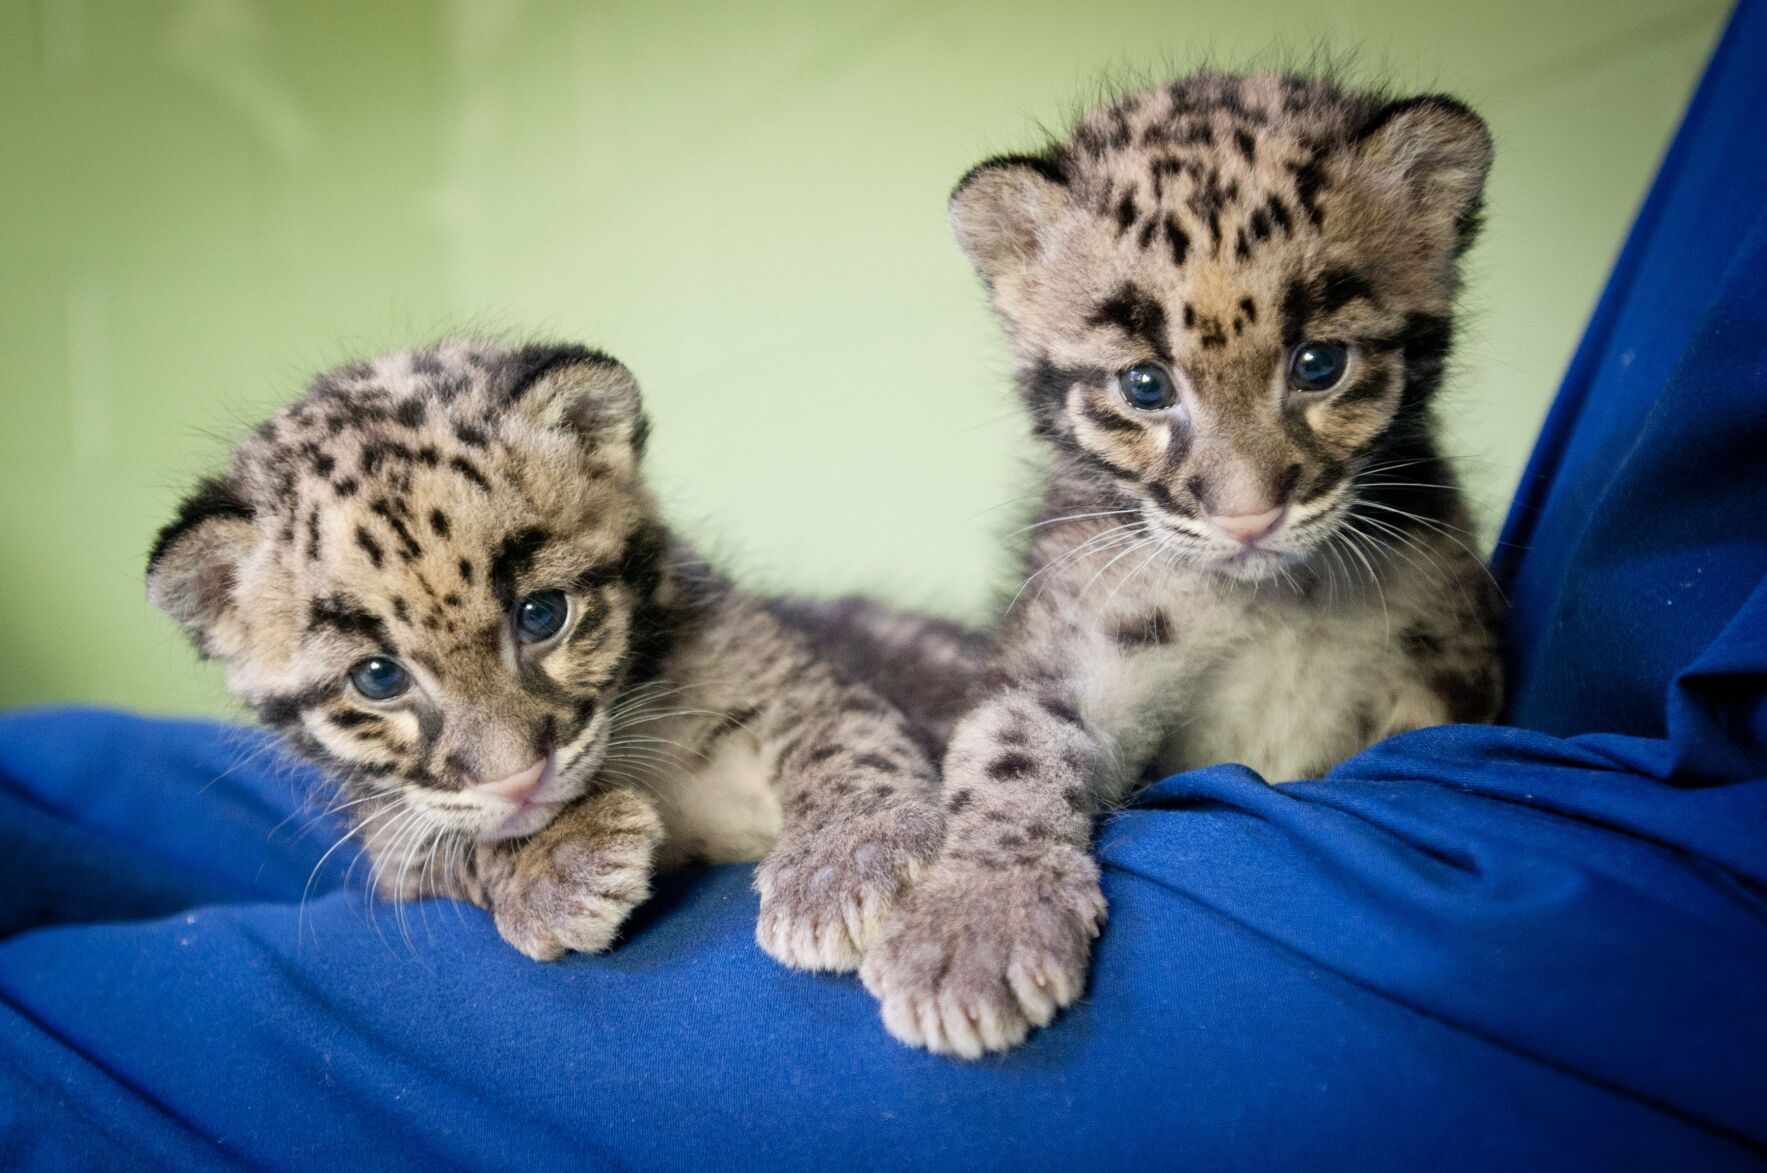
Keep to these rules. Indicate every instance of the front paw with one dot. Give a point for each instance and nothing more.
(576, 881)
(827, 888)
(977, 955)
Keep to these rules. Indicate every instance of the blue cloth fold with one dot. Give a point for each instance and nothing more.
(1540, 945)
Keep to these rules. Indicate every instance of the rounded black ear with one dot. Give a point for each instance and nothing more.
(1001, 209)
(195, 559)
(1440, 150)
(585, 392)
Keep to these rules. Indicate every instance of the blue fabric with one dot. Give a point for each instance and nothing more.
(1541, 946)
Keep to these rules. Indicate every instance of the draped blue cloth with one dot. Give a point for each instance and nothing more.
(1540, 945)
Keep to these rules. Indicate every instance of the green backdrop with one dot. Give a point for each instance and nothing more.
(201, 202)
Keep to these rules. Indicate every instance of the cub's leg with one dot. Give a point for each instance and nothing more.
(998, 936)
(855, 789)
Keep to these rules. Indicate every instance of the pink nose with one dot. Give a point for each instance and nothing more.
(519, 786)
(1247, 527)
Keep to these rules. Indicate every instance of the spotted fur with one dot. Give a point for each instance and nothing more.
(401, 510)
(1210, 227)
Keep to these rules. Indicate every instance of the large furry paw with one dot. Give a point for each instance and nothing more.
(977, 956)
(576, 881)
(826, 888)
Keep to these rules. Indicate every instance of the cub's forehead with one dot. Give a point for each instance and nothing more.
(454, 383)
(1216, 112)
(1215, 167)
(395, 465)
(437, 415)
(1216, 190)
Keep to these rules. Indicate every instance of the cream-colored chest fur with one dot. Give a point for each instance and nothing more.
(1286, 686)
(716, 800)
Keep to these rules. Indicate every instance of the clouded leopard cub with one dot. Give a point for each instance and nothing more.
(1230, 303)
(441, 576)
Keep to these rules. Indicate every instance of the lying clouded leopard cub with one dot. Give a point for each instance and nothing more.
(441, 576)
(1230, 303)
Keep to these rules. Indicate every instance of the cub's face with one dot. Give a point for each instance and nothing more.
(427, 574)
(1230, 299)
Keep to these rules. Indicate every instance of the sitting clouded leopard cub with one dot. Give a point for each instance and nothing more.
(1230, 303)
(441, 576)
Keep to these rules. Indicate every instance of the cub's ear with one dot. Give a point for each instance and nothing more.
(1002, 209)
(1440, 150)
(581, 391)
(195, 560)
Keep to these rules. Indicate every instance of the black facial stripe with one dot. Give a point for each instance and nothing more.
(430, 723)
(345, 615)
(643, 558)
(1103, 464)
(514, 558)
(1328, 478)
(1295, 427)
(1177, 448)
(1137, 314)
(1163, 497)
(280, 710)
(1105, 418)
(308, 747)
(1294, 313)
(1424, 340)
(1422, 479)
(1339, 287)
(353, 719)
(1370, 383)
(1045, 391)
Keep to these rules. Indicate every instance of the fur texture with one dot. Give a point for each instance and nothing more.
(1250, 568)
(406, 511)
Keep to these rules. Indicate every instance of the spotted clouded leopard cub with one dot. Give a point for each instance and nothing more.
(441, 576)
(1230, 301)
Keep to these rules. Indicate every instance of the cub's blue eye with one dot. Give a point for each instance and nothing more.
(380, 678)
(1148, 386)
(1317, 366)
(539, 616)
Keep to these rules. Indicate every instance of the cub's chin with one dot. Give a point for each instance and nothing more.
(1254, 565)
(527, 819)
